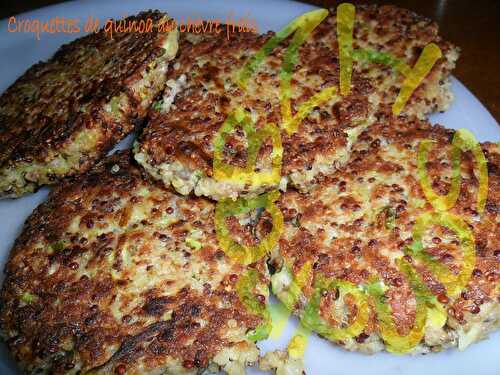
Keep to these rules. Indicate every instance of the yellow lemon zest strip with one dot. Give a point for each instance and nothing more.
(244, 254)
(345, 25)
(226, 172)
(463, 141)
(298, 343)
(423, 66)
(453, 283)
(313, 320)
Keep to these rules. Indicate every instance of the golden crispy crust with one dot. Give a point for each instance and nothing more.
(357, 222)
(115, 274)
(93, 91)
(206, 70)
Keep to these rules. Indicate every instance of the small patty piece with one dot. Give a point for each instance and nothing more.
(179, 145)
(62, 115)
(364, 258)
(116, 275)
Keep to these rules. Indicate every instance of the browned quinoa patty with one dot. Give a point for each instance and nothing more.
(113, 275)
(177, 145)
(356, 223)
(63, 114)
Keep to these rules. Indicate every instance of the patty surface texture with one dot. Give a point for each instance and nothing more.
(203, 91)
(440, 285)
(115, 275)
(63, 114)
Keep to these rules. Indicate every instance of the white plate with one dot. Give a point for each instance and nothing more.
(20, 50)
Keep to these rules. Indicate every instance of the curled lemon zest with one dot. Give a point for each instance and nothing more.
(245, 289)
(463, 141)
(244, 254)
(439, 202)
(395, 342)
(454, 284)
(226, 172)
(313, 320)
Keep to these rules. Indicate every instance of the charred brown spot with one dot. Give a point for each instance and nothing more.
(157, 306)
